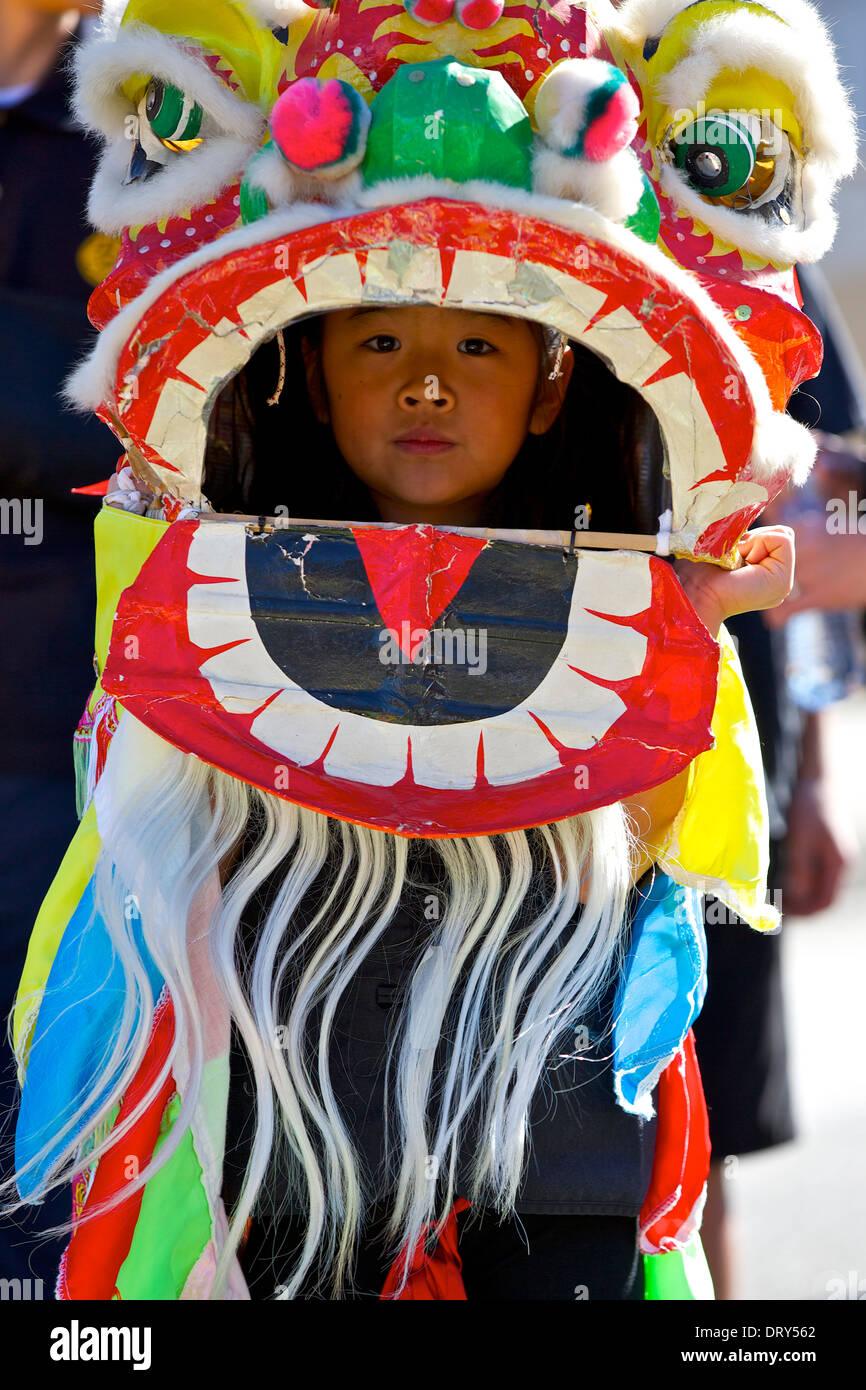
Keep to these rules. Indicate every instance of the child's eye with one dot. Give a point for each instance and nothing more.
(476, 347)
(383, 342)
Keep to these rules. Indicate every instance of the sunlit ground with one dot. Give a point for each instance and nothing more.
(802, 1206)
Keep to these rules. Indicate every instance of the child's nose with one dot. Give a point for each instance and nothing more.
(426, 389)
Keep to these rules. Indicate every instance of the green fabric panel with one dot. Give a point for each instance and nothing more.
(646, 220)
(173, 1227)
(448, 121)
(678, 1275)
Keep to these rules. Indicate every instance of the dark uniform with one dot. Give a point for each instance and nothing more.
(588, 1172)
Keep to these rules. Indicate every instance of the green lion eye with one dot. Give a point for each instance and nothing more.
(717, 155)
(174, 117)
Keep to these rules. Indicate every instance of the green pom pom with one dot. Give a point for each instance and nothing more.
(449, 121)
(254, 202)
(646, 220)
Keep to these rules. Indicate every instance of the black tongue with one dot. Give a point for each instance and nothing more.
(491, 647)
(140, 167)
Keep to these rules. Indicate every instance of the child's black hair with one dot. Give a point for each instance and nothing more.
(604, 449)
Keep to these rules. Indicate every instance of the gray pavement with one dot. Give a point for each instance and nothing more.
(801, 1208)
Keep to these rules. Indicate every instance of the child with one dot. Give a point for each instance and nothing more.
(450, 1034)
(430, 410)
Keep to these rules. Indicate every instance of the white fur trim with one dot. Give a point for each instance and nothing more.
(189, 181)
(102, 65)
(278, 14)
(663, 535)
(808, 68)
(789, 444)
(638, 20)
(110, 16)
(282, 185)
(783, 245)
(613, 186)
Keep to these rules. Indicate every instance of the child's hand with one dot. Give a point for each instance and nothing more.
(764, 577)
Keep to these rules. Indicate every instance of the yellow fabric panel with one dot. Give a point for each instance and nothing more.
(58, 906)
(123, 543)
(720, 841)
(246, 46)
(339, 65)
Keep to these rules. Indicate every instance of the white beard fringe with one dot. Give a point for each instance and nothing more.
(496, 982)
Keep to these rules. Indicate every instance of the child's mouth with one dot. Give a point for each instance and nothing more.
(424, 442)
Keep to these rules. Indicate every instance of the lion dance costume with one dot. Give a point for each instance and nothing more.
(640, 179)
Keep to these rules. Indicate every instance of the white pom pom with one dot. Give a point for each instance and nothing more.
(572, 125)
(613, 188)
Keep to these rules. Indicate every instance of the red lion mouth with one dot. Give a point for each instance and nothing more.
(261, 654)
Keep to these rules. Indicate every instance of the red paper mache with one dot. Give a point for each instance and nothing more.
(618, 175)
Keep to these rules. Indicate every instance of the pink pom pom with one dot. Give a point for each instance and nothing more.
(615, 128)
(312, 123)
(479, 14)
(429, 11)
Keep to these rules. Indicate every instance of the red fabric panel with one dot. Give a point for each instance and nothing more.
(99, 1247)
(682, 1154)
(436, 1275)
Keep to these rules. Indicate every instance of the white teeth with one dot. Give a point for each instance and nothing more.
(592, 648)
(213, 361)
(576, 711)
(403, 269)
(297, 726)
(691, 440)
(450, 766)
(379, 762)
(612, 584)
(240, 698)
(177, 431)
(219, 549)
(515, 749)
(333, 280)
(219, 613)
(213, 627)
(620, 337)
(272, 307)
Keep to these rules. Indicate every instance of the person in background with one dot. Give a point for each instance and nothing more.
(49, 264)
(831, 542)
(740, 1033)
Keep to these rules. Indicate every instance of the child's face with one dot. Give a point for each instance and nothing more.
(430, 406)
